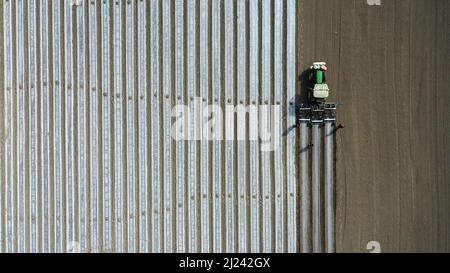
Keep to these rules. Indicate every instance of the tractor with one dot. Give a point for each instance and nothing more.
(317, 110)
(318, 83)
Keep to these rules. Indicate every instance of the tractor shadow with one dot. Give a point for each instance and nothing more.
(302, 98)
(305, 88)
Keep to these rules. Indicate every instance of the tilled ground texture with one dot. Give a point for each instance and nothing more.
(389, 67)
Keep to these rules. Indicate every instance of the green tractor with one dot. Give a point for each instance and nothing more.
(317, 78)
(317, 110)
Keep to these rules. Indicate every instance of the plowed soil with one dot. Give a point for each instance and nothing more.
(389, 67)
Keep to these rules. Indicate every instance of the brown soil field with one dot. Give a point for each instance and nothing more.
(389, 67)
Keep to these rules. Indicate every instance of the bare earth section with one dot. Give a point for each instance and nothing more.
(389, 67)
